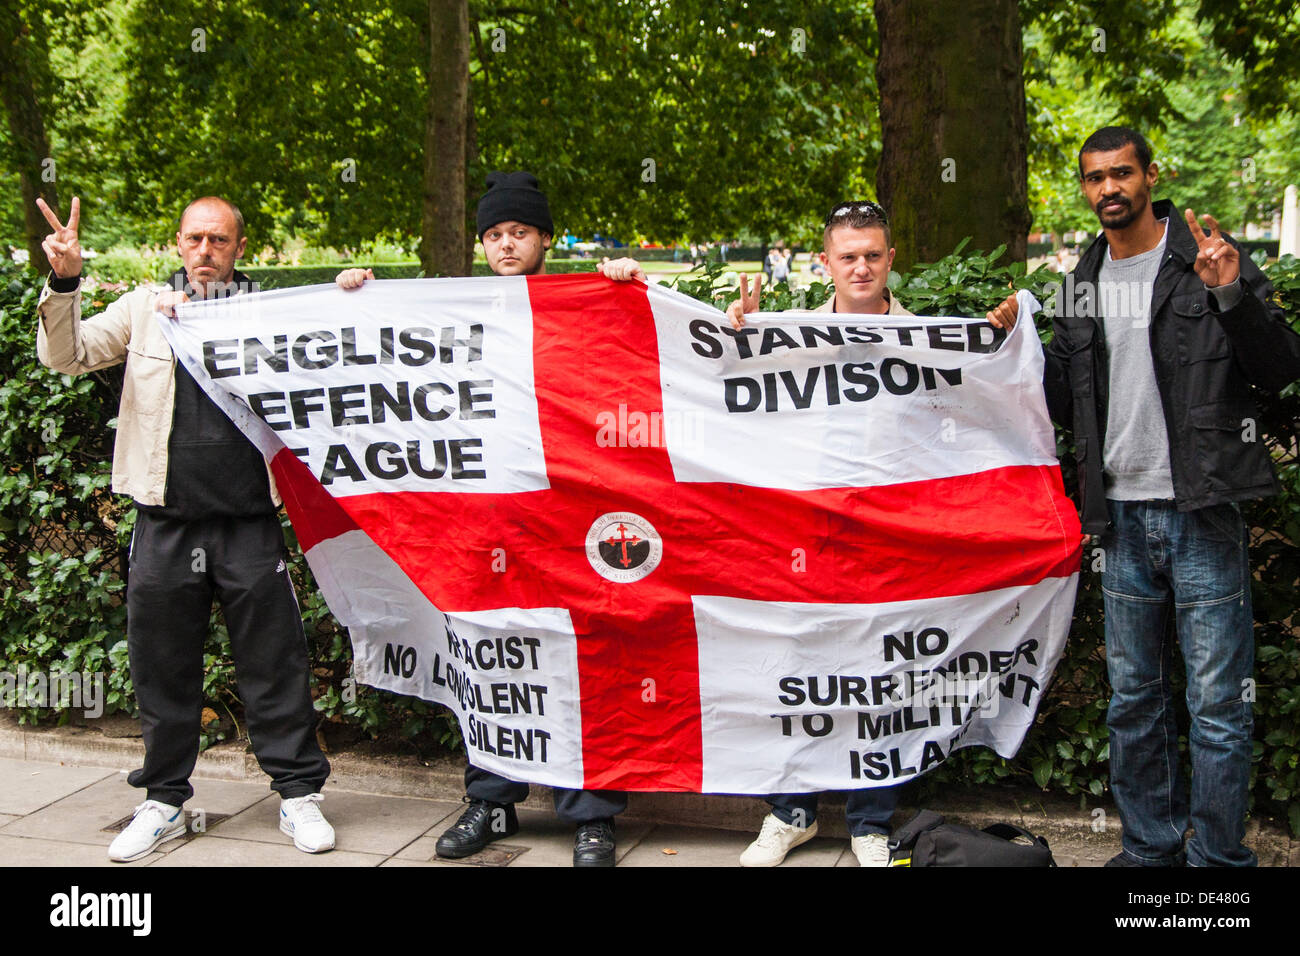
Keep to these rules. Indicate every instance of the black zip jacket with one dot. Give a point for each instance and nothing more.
(1205, 361)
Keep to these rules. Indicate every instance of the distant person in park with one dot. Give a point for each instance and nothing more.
(205, 525)
(1155, 350)
(514, 225)
(858, 252)
(779, 263)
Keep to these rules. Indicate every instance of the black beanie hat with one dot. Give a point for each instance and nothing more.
(513, 197)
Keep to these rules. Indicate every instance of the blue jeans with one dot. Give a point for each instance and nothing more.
(1158, 560)
(867, 811)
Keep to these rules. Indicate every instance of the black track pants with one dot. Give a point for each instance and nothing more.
(177, 567)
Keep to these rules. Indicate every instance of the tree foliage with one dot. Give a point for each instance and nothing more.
(685, 118)
(682, 119)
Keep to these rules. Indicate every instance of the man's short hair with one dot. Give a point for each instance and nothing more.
(234, 211)
(1110, 138)
(857, 214)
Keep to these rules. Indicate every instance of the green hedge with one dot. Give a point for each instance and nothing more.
(63, 537)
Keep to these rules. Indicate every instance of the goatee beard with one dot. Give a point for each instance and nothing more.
(1120, 219)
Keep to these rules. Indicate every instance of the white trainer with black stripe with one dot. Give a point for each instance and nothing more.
(300, 818)
(153, 823)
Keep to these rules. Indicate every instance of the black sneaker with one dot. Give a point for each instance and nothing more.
(593, 843)
(480, 824)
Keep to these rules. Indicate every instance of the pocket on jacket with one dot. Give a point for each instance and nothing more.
(1232, 416)
(1230, 452)
(149, 350)
(1200, 337)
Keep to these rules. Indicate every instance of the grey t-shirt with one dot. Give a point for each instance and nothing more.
(1136, 449)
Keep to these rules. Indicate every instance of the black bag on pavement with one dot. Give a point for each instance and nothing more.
(926, 840)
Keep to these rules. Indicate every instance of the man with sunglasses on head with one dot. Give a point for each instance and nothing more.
(857, 252)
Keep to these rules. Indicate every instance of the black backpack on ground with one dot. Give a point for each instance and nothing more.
(926, 840)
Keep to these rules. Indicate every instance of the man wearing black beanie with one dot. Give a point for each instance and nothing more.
(515, 227)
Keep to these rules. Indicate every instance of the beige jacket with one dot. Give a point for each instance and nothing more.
(125, 331)
(894, 307)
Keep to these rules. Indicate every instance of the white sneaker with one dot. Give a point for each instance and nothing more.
(871, 850)
(301, 818)
(775, 840)
(152, 824)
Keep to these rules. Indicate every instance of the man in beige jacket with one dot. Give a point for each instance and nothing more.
(857, 252)
(206, 525)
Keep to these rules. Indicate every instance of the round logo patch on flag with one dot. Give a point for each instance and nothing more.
(623, 547)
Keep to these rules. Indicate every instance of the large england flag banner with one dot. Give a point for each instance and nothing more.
(633, 548)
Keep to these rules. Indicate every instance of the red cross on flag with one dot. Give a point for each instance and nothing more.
(633, 549)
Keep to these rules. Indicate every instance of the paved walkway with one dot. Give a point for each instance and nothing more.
(51, 814)
(63, 796)
(55, 814)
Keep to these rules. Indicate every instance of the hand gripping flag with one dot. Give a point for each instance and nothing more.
(633, 549)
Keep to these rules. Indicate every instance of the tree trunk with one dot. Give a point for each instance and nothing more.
(952, 116)
(471, 162)
(27, 130)
(444, 247)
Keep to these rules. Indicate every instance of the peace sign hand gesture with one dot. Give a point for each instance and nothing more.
(61, 246)
(1218, 262)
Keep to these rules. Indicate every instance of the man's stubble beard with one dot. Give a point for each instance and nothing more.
(1127, 217)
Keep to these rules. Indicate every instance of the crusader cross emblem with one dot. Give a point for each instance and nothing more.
(622, 541)
(630, 544)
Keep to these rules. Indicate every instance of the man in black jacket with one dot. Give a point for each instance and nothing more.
(1160, 331)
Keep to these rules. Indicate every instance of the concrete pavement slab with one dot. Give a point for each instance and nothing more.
(30, 851)
(696, 846)
(209, 851)
(52, 814)
(394, 861)
(500, 853)
(30, 785)
(363, 822)
(82, 816)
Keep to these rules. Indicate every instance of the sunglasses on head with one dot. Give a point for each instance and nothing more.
(857, 206)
